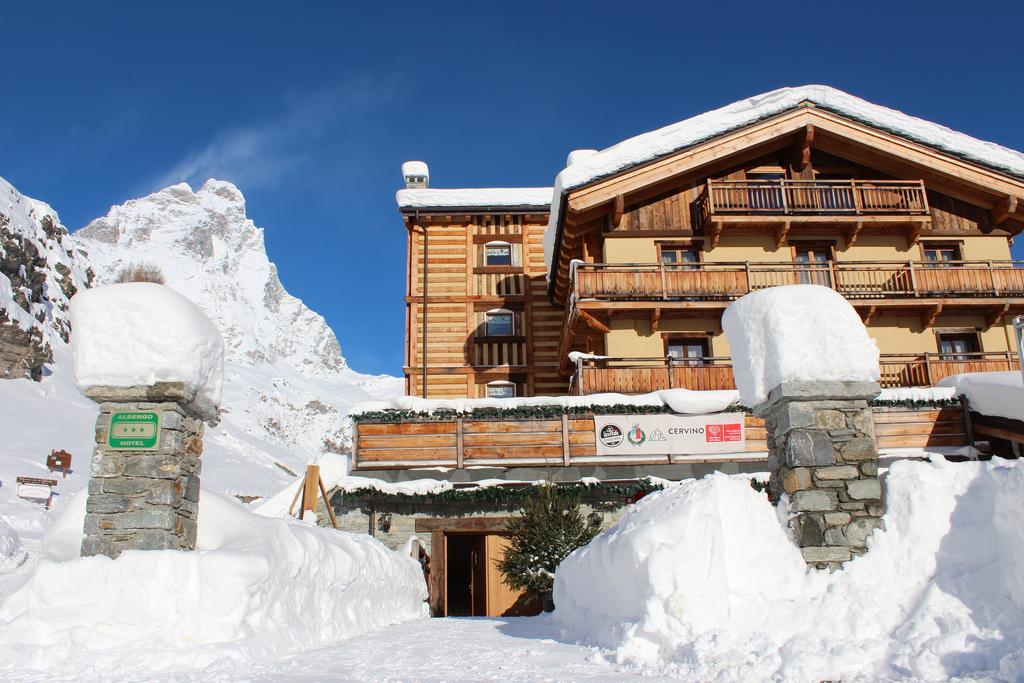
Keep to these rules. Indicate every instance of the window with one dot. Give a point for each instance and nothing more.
(497, 254)
(936, 255)
(501, 390)
(958, 345)
(813, 260)
(499, 323)
(687, 350)
(677, 257)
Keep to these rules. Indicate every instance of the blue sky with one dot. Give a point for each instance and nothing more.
(310, 107)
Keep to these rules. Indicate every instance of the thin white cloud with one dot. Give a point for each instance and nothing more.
(262, 152)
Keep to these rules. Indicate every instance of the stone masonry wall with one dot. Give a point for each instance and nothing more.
(822, 453)
(145, 500)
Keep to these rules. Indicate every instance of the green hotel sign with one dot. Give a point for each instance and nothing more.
(134, 431)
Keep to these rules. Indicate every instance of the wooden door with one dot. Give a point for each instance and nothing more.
(503, 601)
(478, 578)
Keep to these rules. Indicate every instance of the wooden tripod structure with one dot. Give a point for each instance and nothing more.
(308, 490)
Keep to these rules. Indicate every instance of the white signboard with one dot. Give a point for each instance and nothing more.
(679, 435)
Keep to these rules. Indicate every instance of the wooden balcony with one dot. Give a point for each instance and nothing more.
(643, 375)
(793, 205)
(867, 281)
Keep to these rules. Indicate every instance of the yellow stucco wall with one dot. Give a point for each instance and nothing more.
(632, 337)
(761, 248)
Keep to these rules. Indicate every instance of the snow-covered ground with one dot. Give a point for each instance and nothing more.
(702, 580)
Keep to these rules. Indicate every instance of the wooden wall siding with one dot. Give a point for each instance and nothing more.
(672, 211)
(676, 210)
(951, 215)
(532, 442)
(455, 355)
(490, 354)
(490, 284)
(498, 225)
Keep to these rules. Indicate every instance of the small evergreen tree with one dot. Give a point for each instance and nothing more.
(551, 527)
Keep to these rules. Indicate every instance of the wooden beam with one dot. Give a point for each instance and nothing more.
(915, 231)
(716, 232)
(618, 208)
(869, 313)
(593, 323)
(802, 150)
(1003, 210)
(461, 524)
(782, 234)
(853, 233)
(655, 319)
(929, 316)
(995, 316)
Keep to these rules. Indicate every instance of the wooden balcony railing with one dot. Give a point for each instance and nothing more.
(853, 279)
(813, 197)
(642, 375)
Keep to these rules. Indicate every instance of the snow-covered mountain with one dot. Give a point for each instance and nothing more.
(287, 387)
(212, 253)
(39, 272)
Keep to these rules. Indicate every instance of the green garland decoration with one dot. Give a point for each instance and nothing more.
(550, 412)
(911, 403)
(512, 495)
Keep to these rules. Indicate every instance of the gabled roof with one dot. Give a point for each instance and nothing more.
(647, 147)
(509, 198)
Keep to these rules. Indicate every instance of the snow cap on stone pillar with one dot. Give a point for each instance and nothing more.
(149, 338)
(796, 334)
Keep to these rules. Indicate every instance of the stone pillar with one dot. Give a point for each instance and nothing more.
(144, 485)
(822, 453)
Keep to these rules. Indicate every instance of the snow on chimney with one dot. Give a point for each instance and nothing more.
(416, 174)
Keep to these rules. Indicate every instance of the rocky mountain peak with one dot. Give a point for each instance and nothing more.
(39, 273)
(210, 251)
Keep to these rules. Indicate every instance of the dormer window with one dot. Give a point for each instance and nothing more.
(497, 254)
(499, 322)
(501, 389)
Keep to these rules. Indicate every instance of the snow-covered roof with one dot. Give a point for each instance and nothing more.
(672, 138)
(538, 198)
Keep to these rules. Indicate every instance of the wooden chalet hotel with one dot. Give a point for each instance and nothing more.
(632, 257)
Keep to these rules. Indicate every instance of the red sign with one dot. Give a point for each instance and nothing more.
(733, 432)
(719, 433)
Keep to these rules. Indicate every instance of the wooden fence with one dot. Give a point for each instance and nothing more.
(570, 441)
(853, 279)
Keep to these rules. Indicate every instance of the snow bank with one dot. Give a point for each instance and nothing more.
(796, 333)
(141, 333)
(1000, 394)
(526, 197)
(257, 586)
(679, 400)
(697, 129)
(11, 552)
(702, 579)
